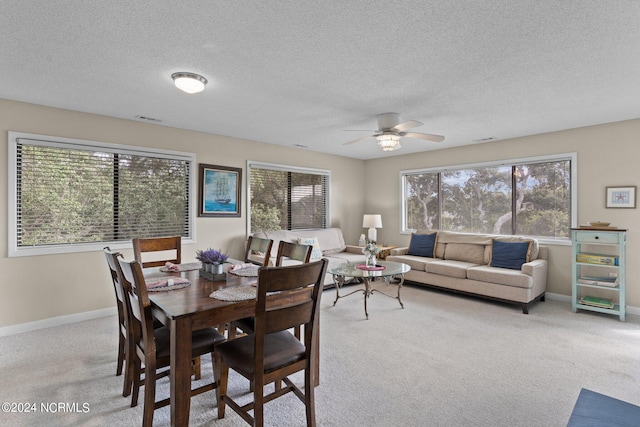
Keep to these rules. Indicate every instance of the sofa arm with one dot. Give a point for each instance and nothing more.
(399, 251)
(535, 267)
(353, 249)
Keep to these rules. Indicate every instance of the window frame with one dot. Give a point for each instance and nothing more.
(572, 157)
(80, 144)
(287, 168)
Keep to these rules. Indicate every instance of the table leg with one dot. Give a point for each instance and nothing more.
(367, 292)
(338, 281)
(180, 377)
(399, 288)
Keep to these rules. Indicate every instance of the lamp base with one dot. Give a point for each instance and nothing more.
(373, 235)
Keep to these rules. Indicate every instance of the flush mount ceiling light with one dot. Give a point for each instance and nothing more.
(389, 142)
(189, 82)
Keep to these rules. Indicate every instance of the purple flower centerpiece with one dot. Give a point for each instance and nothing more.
(211, 257)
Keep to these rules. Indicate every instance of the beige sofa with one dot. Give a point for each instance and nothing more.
(331, 245)
(463, 261)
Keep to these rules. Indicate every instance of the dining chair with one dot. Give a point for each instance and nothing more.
(286, 250)
(123, 315)
(171, 244)
(286, 297)
(258, 250)
(158, 244)
(151, 347)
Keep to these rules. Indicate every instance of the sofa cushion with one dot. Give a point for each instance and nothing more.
(449, 268)
(417, 263)
(466, 252)
(313, 242)
(501, 276)
(422, 244)
(509, 254)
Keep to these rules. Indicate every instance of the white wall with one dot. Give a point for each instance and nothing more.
(607, 156)
(36, 288)
(41, 287)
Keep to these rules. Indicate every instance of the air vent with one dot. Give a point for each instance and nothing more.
(300, 146)
(148, 119)
(491, 138)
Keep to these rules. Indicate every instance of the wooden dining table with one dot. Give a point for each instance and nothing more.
(190, 309)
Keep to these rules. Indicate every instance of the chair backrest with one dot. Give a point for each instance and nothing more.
(294, 251)
(114, 267)
(158, 244)
(141, 317)
(288, 297)
(258, 250)
(116, 277)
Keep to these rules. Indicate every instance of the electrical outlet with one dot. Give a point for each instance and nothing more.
(612, 274)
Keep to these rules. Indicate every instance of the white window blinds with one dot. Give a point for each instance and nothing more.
(287, 198)
(69, 193)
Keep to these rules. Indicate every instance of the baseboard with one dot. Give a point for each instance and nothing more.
(567, 298)
(56, 321)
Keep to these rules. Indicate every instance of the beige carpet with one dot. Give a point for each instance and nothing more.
(445, 360)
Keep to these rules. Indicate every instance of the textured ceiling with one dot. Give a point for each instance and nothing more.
(300, 72)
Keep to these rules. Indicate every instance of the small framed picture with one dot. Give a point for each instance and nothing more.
(621, 197)
(220, 190)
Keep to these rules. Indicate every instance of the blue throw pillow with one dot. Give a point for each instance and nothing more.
(422, 245)
(509, 254)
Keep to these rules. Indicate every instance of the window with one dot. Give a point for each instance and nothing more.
(71, 195)
(287, 197)
(530, 197)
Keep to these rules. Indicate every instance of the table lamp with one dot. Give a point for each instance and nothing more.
(372, 221)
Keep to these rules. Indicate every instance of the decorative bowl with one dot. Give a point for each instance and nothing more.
(599, 224)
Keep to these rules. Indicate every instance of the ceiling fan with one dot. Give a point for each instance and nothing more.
(390, 130)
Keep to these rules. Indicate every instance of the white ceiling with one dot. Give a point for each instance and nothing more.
(292, 72)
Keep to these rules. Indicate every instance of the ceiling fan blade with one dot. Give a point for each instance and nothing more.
(407, 125)
(427, 136)
(359, 139)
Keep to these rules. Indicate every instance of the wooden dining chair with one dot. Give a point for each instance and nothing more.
(172, 245)
(293, 251)
(258, 250)
(123, 315)
(151, 347)
(286, 297)
(286, 250)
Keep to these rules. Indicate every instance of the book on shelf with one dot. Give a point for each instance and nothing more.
(596, 301)
(610, 282)
(597, 259)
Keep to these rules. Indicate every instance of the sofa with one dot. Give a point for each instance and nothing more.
(505, 268)
(327, 243)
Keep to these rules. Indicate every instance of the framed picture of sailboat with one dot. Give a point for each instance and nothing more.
(220, 191)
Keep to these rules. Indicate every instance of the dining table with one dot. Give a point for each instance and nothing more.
(192, 308)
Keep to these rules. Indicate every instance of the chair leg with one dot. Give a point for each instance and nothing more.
(137, 373)
(121, 353)
(221, 372)
(129, 370)
(149, 392)
(310, 403)
(258, 404)
(197, 371)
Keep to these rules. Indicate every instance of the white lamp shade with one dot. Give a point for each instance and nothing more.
(372, 221)
(189, 82)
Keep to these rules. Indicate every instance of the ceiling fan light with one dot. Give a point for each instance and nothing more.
(389, 142)
(189, 82)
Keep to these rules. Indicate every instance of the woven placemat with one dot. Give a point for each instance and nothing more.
(182, 267)
(246, 271)
(235, 293)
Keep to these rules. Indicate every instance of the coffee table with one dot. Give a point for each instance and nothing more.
(390, 271)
